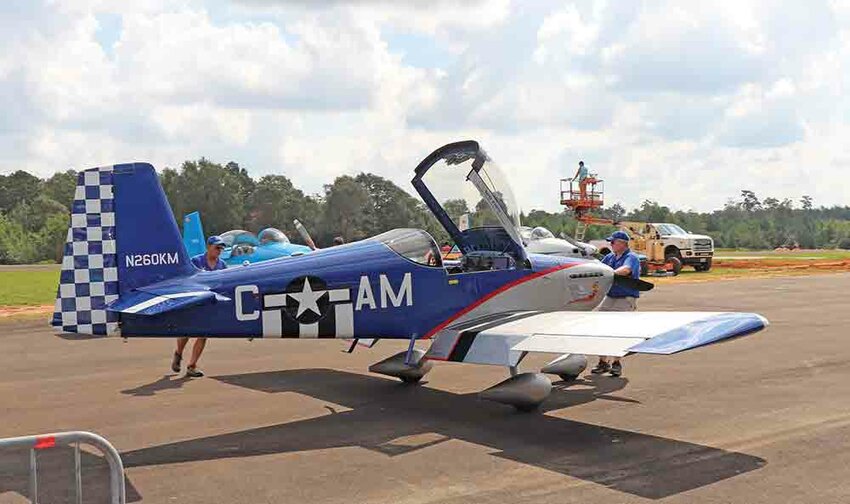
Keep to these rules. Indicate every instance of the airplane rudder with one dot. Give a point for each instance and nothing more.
(149, 246)
(88, 278)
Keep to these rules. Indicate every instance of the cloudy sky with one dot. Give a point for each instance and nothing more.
(682, 102)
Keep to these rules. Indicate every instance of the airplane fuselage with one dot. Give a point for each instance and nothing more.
(365, 290)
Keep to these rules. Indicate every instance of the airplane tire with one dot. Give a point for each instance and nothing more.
(567, 377)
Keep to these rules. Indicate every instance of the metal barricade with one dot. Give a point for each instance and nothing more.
(74, 439)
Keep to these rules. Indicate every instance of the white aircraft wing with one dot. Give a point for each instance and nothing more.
(502, 340)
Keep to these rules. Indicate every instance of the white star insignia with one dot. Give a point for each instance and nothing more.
(307, 299)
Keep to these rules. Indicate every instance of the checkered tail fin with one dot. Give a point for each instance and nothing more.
(122, 236)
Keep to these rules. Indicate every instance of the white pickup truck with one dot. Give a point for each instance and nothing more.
(660, 241)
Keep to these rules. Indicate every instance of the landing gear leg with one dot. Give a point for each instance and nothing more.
(514, 370)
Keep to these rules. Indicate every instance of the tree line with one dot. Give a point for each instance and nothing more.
(34, 211)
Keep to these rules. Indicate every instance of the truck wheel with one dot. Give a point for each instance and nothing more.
(703, 266)
(673, 264)
(673, 260)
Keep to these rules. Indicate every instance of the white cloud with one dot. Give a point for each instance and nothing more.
(685, 103)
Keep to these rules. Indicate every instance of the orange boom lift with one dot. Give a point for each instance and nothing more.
(584, 197)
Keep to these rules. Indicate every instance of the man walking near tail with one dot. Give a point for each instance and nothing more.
(208, 261)
(624, 262)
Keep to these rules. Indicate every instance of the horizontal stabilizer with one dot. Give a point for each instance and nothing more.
(502, 342)
(155, 303)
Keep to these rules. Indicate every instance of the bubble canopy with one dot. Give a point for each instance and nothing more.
(460, 178)
(238, 236)
(272, 235)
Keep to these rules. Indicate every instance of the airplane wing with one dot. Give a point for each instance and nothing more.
(503, 340)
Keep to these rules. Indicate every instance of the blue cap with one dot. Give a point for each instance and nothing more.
(618, 235)
(215, 240)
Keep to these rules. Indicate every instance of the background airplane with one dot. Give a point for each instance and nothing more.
(242, 246)
(126, 272)
(540, 240)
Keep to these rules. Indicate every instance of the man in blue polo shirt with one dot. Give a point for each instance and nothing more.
(208, 261)
(624, 262)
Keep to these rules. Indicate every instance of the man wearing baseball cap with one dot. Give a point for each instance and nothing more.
(208, 261)
(624, 262)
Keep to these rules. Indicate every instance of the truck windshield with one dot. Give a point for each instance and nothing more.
(670, 229)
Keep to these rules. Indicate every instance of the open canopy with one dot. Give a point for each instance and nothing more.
(459, 179)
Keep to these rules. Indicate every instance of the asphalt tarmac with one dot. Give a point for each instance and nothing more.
(762, 419)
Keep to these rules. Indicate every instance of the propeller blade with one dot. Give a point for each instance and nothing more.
(305, 235)
(633, 283)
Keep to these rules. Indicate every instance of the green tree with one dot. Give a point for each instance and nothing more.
(16, 188)
(650, 211)
(32, 215)
(275, 202)
(61, 187)
(345, 200)
(389, 206)
(749, 201)
(219, 193)
(455, 208)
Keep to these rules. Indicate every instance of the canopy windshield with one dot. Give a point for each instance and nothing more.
(448, 181)
(460, 179)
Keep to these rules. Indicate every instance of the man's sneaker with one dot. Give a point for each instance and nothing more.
(193, 372)
(616, 368)
(175, 362)
(602, 367)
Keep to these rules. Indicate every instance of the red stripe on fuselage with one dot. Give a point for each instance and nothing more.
(430, 334)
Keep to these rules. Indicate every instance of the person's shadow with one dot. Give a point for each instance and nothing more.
(566, 394)
(167, 382)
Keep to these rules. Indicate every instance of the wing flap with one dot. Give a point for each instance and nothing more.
(597, 345)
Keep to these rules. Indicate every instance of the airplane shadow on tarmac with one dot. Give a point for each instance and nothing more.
(383, 411)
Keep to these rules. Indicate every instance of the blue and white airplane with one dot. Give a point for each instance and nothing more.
(243, 247)
(126, 272)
